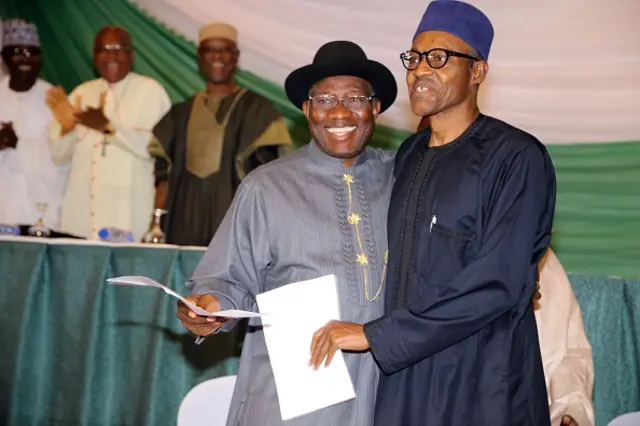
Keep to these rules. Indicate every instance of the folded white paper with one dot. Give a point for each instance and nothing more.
(297, 311)
(145, 281)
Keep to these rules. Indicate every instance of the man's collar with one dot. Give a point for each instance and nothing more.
(117, 83)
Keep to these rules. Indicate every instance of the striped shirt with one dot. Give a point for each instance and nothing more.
(292, 220)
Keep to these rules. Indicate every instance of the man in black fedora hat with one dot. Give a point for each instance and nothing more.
(317, 211)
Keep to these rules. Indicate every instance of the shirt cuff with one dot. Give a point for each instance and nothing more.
(374, 333)
(225, 304)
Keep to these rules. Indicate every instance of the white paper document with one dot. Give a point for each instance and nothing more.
(144, 281)
(297, 311)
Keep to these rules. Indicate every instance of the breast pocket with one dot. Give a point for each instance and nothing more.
(449, 251)
(452, 234)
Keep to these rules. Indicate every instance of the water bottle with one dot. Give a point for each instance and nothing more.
(9, 229)
(115, 235)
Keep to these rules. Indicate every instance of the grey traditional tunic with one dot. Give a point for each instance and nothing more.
(290, 221)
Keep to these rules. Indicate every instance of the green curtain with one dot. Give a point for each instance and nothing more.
(597, 221)
(598, 210)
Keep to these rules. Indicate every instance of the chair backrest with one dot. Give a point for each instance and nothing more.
(208, 403)
(629, 419)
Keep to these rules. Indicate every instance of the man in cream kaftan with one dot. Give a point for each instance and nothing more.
(105, 139)
(27, 174)
(111, 184)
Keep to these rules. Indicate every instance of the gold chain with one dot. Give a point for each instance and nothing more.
(362, 258)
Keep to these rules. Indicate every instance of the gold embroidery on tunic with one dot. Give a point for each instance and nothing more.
(362, 259)
(205, 135)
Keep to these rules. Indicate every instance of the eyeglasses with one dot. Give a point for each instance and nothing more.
(27, 52)
(436, 58)
(115, 48)
(329, 102)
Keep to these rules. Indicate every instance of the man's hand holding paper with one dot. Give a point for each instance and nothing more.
(198, 324)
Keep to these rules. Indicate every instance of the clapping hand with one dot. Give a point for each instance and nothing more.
(69, 115)
(94, 118)
(8, 137)
(62, 110)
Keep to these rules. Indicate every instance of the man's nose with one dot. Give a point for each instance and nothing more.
(340, 110)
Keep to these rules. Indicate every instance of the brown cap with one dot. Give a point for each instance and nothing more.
(218, 30)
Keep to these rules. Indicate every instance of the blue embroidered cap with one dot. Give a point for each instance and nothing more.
(18, 32)
(460, 19)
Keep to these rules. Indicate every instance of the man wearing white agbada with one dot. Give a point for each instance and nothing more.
(103, 129)
(566, 352)
(27, 174)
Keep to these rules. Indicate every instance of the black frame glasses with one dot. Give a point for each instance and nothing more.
(436, 58)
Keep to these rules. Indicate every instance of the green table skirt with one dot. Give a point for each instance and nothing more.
(78, 351)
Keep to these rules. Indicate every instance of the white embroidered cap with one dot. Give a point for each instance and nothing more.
(18, 32)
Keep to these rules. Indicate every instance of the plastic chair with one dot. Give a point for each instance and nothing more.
(629, 419)
(208, 403)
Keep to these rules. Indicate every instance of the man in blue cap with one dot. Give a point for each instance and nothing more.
(470, 217)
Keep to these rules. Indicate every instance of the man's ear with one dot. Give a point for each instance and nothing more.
(5, 56)
(479, 72)
(236, 59)
(376, 107)
(306, 108)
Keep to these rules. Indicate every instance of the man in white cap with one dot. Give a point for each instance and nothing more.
(103, 130)
(207, 144)
(28, 177)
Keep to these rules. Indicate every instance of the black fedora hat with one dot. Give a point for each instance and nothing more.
(341, 58)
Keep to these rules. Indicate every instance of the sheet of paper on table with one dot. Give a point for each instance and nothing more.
(296, 312)
(148, 282)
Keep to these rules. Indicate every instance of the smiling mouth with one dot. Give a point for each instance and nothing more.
(25, 68)
(341, 131)
(217, 65)
(422, 89)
